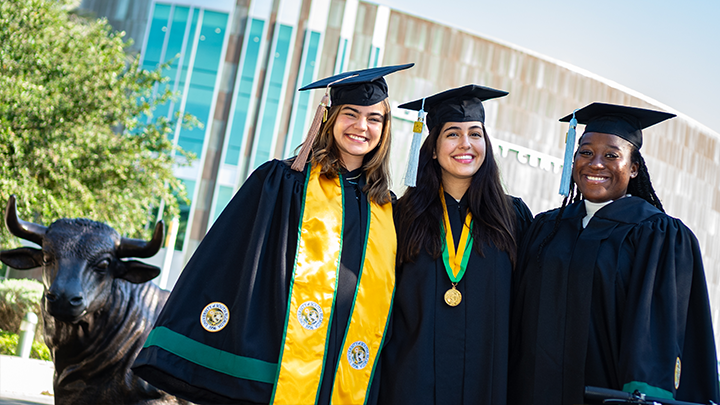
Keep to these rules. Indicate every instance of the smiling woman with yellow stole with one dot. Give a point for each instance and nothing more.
(301, 266)
(456, 249)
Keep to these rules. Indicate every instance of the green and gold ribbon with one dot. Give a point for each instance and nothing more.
(455, 260)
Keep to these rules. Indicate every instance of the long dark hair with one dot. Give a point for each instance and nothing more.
(639, 186)
(375, 164)
(419, 212)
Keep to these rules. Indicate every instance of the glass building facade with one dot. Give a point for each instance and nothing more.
(190, 40)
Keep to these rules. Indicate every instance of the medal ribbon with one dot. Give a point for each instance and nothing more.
(302, 358)
(456, 261)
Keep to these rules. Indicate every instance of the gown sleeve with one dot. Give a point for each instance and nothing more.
(667, 347)
(245, 263)
(523, 218)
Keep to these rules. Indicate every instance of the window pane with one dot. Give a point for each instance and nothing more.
(202, 82)
(301, 113)
(184, 214)
(242, 104)
(272, 97)
(224, 196)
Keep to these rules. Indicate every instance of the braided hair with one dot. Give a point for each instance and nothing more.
(641, 186)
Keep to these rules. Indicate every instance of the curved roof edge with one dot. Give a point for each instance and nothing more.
(693, 122)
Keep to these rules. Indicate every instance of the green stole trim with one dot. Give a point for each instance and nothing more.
(647, 389)
(209, 357)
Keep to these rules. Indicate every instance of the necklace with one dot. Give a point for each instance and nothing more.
(353, 178)
(455, 260)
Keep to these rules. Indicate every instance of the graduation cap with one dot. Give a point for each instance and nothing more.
(623, 121)
(361, 87)
(460, 104)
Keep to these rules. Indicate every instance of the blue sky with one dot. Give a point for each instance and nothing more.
(667, 50)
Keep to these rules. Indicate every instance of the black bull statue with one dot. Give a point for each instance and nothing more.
(97, 309)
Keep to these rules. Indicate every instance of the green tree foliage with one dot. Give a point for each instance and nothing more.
(77, 135)
(9, 342)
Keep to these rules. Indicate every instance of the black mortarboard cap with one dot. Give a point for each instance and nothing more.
(461, 104)
(362, 87)
(623, 121)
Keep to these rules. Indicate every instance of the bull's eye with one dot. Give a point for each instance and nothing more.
(102, 265)
(46, 259)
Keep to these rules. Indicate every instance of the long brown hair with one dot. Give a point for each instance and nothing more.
(419, 212)
(325, 152)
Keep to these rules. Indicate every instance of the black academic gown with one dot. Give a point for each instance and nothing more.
(439, 354)
(246, 261)
(615, 303)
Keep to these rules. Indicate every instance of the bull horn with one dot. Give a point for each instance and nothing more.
(139, 248)
(25, 230)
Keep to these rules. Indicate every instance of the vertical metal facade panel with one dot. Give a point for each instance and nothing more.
(274, 87)
(224, 151)
(242, 99)
(362, 37)
(377, 45)
(302, 106)
(347, 35)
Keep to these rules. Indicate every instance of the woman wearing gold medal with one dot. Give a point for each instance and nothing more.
(457, 233)
(299, 268)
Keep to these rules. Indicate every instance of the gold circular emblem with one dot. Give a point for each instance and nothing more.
(214, 317)
(453, 297)
(678, 368)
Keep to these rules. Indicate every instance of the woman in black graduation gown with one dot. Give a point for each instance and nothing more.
(287, 298)
(610, 290)
(449, 342)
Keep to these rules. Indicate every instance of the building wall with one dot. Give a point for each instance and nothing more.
(322, 37)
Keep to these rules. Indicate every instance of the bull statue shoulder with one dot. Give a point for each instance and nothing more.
(97, 308)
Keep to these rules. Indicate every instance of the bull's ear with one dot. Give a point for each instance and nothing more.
(138, 272)
(23, 258)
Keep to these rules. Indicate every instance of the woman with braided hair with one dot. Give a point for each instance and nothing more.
(609, 290)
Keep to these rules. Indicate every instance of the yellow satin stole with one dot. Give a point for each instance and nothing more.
(312, 299)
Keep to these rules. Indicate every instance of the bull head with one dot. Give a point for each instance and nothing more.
(79, 259)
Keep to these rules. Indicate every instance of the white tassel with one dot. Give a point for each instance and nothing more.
(412, 168)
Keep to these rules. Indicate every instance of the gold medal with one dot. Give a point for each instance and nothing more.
(453, 296)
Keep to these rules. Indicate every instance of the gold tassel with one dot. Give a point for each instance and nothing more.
(320, 114)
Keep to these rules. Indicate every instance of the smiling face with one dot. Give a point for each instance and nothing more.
(603, 167)
(460, 151)
(357, 131)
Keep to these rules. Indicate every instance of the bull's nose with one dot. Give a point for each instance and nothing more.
(74, 301)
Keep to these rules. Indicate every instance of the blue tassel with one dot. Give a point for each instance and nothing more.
(567, 162)
(413, 159)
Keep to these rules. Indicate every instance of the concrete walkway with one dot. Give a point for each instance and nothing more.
(25, 381)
